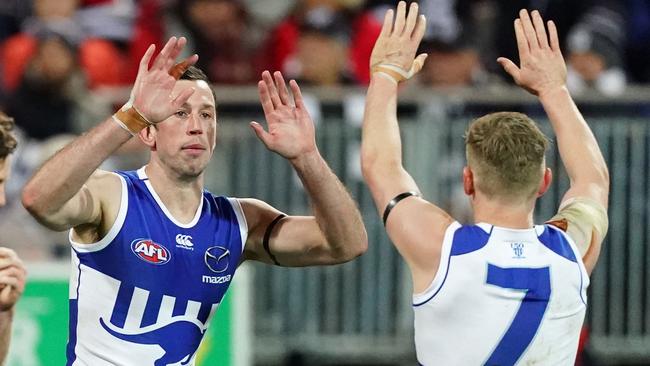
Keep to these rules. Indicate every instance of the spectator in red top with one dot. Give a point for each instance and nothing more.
(309, 28)
(109, 35)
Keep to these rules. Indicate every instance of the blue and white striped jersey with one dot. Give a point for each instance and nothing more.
(145, 293)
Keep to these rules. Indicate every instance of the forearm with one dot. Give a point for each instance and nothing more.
(336, 213)
(578, 147)
(63, 175)
(6, 319)
(381, 145)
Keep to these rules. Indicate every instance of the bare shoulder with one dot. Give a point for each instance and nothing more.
(418, 227)
(105, 188)
(257, 211)
(106, 185)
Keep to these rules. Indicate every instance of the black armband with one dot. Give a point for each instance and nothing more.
(395, 201)
(267, 236)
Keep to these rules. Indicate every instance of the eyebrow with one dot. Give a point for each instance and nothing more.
(203, 106)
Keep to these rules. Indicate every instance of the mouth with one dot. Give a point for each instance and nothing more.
(194, 148)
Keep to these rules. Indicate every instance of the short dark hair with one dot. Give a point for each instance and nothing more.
(7, 140)
(194, 73)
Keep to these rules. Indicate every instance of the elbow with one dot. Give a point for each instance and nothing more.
(600, 177)
(604, 172)
(31, 200)
(373, 168)
(352, 250)
(368, 163)
(360, 247)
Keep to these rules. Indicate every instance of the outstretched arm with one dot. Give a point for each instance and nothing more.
(415, 226)
(12, 285)
(335, 233)
(542, 72)
(68, 190)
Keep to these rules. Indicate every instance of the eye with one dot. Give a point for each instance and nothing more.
(181, 114)
(206, 115)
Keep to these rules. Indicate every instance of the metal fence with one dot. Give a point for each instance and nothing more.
(361, 311)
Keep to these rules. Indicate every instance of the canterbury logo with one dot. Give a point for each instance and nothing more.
(184, 240)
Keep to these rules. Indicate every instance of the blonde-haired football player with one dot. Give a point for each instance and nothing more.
(502, 291)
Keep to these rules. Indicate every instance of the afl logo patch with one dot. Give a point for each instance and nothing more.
(151, 252)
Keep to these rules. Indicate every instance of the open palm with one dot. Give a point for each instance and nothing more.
(152, 91)
(290, 128)
(542, 66)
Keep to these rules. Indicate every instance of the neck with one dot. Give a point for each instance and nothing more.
(181, 195)
(517, 215)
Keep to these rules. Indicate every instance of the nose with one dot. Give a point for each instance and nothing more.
(194, 126)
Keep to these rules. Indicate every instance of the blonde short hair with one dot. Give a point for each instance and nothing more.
(505, 151)
(7, 140)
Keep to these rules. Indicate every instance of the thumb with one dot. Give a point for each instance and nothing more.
(509, 67)
(259, 131)
(5, 294)
(418, 63)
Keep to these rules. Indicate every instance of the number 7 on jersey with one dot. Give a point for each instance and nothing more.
(537, 284)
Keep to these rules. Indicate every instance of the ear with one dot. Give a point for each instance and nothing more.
(546, 182)
(148, 136)
(468, 181)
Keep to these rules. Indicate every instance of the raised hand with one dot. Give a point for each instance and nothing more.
(152, 91)
(395, 48)
(542, 66)
(12, 278)
(290, 128)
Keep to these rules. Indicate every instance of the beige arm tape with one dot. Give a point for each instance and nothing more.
(396, 72)
(579, 217)
(130, 119)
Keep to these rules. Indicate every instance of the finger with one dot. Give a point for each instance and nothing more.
(411, 19)
(259, 131)
(297, 95)
(272, 91)
(552, 32)
(282, 88)
(163, 56)
(420, 28)
(8, 253)
(509, 67)
(540, 31)
(388, 24)
(522, 43)
(182, 97)
(529, 30)
(418, 63)
(9, 282)
(400, 18)
(178, 48)
(5, 294)
(179, 69)
(265, 98)
(144, 62)
(6, 263)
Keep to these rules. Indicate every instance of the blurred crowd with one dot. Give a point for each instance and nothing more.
(55, 53)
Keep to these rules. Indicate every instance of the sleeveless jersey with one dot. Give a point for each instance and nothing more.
(145, 293)
(502, 297)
